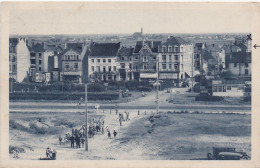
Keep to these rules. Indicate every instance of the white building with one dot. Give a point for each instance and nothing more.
(228, 88)
(19, 59)
(102, 61)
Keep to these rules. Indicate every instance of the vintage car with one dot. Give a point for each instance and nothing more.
(223, 153)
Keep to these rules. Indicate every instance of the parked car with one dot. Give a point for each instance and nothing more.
(224, 153)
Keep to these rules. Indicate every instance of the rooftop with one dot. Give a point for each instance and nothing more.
(104, 49)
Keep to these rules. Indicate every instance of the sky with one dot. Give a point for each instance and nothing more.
(125, 18)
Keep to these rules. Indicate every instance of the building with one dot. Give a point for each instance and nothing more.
(71, 62)
(19, 59)
(228, 88)
(39, 64)
(145, 60)
(102, 61)
(198, 56)
(176, 59)
(138, 35)
(125, 63)
(239, 65)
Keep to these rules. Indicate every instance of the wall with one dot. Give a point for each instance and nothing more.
(23, 60)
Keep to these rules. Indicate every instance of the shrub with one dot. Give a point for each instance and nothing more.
(17, 149)
(96, 87)
(36, 129)
(208, 98)
(145, 89)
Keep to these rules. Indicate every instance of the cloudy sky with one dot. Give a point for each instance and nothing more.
(121, 18)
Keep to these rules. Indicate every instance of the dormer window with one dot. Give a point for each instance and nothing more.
(175, 49)
(169, 48)
(163, 49)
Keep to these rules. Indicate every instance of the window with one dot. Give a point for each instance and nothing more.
(130, 58)
(92, 60)
(68, 57)
(176, 66)
(13, 67)
(109, 68)
(228, 87)
(122, 58)
(170, 57)
(104, 69)
(109, 60)
(169, 48)
(77, 57)
(136, 67)
(104, 60)
(98, 60)
(10, 67)
(176, 57)
(98, 68)
(40, 68)
(67, 67)
(246, 64)
(214, 89)
(92, 68)
(145, 66)
(76, 66)
(114, 68)
(163, 49)
(182, 58)
(154, 57)
(13, 59)
(144, 58)
(164, 58)
(136, 57)
(246, 71)
(181, 49)
(235, 64)
(170, 66)
(220, 88)
(182, 67)
(175, 49)
(40, 62)
(40, 54)
(122, 65)
(130, 66)
(163, 66)
(224, 88)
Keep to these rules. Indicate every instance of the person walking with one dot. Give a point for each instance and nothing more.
(108, 134)
(72, 139)
(60, 139)
(115, 133)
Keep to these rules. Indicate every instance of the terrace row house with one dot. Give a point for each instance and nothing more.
(102, 61)
(19, 59)
(72, 60)
(176, 59)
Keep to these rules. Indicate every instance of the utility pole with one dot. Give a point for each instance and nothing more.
(157, 94)
(86, 107)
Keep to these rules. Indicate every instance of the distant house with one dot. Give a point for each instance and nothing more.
(102, 65)
(125, 63)
(239, 65)
(19, 59)
(138, 35)
(145, 60)
(228, 88)
(71, 62)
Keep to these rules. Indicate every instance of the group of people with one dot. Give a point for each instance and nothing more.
(78, 137)
(123, 117)
(109, 134)
(50, 154)
(96, 126)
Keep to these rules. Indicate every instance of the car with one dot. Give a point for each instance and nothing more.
(226, 153)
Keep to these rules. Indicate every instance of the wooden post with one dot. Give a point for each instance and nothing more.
(86, 106)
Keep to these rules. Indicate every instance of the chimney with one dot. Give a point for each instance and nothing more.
(151, 44)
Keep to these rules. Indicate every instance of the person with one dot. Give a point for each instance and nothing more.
(54, 154)
(48, 152)
(120, 120)
(82, 141)
(72, 141)
(108, 134)
(60, 139)
(77, 139)
(138, 112)
(114, 133)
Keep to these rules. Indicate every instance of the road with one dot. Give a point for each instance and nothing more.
(142, 103)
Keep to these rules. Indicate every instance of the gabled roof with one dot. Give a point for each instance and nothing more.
(153, 45)
(13, 41)
(77, 47)
(175, 41)
(104, 49)
(125, 51)
(240, 57)
(37, 48)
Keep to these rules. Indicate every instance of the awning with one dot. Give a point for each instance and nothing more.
(168, 76)
(148, 75)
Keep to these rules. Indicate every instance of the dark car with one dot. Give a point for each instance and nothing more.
(224, 153)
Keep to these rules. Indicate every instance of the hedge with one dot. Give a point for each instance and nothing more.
(63, 96)
(208, 98)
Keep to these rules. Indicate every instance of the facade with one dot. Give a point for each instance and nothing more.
(239, 65)
(39, 62)
(71, 62)
(228, 88)
(102, 61)
(145, 57)
(176, 59)
(19, 59)
(125, 63)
